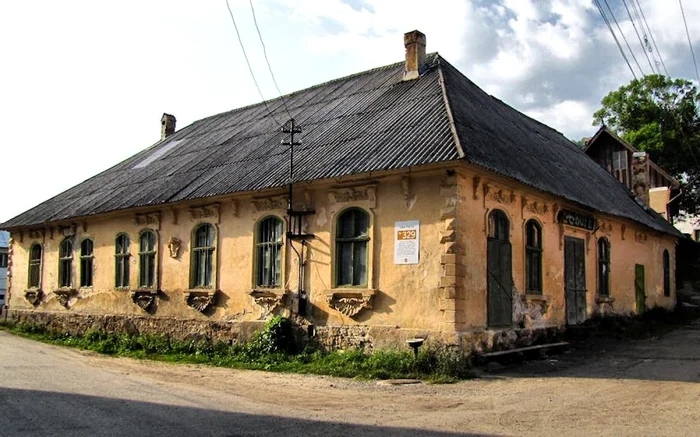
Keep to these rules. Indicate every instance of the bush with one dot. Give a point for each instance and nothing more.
(272, 348)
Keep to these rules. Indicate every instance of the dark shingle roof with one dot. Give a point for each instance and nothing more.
(369, 121)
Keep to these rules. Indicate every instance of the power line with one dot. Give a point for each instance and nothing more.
(624, 2)
(622, 52)
(645, 38)
(689, 43)
(245, 55)
(623, 37)
(653, 40)
(269, 67)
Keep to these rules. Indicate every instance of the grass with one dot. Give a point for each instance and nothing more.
(272, 349)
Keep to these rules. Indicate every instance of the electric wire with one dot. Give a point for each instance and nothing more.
(651, 35)
(623, 37)
(245, 55)
(645, 38)
(634, 25)
(690, 44)
(269, 67)
(622, 52)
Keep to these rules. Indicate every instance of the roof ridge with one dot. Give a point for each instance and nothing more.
(448, 108)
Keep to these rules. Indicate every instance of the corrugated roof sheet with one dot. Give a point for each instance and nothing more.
(366, 122)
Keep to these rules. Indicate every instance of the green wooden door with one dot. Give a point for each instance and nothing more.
(639, 289)
(575, 280)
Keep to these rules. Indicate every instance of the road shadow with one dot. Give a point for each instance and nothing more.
(670, 356)
(40, 413)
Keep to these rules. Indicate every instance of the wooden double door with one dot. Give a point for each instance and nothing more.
(575, 280)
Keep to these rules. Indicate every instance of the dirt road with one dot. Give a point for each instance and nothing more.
(649, 387)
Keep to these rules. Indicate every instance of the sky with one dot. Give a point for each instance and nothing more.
(83, 84)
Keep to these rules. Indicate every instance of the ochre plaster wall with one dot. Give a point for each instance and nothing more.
(630, 244)
(405, 295)
(445, 291)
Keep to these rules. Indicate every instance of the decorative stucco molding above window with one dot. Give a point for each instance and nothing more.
(200, 299)
(268, 298)
(144, 299)
(212, 211)
(534, 206)
(362, 193)
(151, 219)
(349, 301)
(269, 203)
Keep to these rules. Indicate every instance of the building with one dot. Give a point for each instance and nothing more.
(4, 244)
(649, 182)
(420, 207)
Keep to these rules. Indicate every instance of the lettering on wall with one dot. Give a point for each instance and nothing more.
(576, 219)
(407, 242)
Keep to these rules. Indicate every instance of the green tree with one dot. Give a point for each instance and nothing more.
(659, 115)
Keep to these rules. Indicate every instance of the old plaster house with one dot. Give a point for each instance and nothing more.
(420, 207)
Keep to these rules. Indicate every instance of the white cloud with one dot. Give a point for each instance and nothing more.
(84, 83)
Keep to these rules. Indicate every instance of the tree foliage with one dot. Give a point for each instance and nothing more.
(659, 115)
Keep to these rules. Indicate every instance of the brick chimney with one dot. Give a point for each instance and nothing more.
(640, 176)
(415, 54)
(167, 126)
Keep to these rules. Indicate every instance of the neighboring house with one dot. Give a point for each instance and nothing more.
(421, 207)
(649, 182)
(4, 245)
(646, 180)
(689, 226)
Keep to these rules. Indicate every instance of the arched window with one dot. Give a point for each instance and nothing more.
(268, 253)
(147, 259)
(34, 266)
(533, 257)
(86, 262)
(121, 260)
(65, 263)
(603, 267)
(352, 235)
(202, 256)
(499, 225)
(667, 273)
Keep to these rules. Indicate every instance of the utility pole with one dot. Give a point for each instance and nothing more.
(295, 228)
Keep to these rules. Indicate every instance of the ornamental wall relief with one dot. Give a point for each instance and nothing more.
(269, 203)
(174, 245)
(366, 193)
(206, 211)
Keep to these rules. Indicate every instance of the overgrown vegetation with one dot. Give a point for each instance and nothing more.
(272, 349)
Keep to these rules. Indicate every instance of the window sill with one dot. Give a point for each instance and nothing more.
(350, 301)
(33, 296)
(200, 298)
(268, 298)
(144, 297)
(64, 295)
(537, 299)
(604, 299)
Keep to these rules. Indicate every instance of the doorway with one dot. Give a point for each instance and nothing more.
(575, 280)
(639, 289)
(499, 284)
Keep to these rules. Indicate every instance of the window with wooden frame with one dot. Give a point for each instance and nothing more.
(202, 262)
(667, 273)
(147, 259)
(351, 242)
(121, 261)
(34, 274)
(87, 258)
(620, 166)
(65, 263)
(3, 260)
(533, 257)
(268, 253)
(603, 267)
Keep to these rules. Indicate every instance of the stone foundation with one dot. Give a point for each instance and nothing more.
(179, 329)
(329, 338)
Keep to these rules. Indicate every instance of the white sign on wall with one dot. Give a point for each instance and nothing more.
(406, 242)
